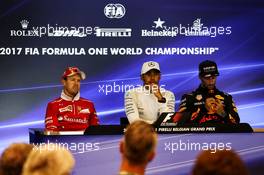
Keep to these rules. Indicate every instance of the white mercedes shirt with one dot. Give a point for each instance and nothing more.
(140, 104)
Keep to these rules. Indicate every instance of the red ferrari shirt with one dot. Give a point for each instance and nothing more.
(67, 114)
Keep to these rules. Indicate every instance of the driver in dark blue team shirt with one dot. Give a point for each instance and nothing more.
(207, 104)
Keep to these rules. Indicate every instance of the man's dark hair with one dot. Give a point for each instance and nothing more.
(224, 162)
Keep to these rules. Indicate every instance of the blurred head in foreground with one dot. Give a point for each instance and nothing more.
(13, 158)
(137, 147)
(47, 160)
(222, 162)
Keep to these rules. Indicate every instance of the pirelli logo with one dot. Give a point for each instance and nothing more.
(113, 32)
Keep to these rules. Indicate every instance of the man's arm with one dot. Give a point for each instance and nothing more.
(187, 109)
(169, 105)
(51, 120)
(93, 119)
(131, 107)
(187, 104)
(231, 110)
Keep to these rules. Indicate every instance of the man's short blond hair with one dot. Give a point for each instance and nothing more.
(45, 161)
(139, 142)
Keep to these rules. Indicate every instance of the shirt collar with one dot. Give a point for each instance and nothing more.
(67, 98)
(205, 90)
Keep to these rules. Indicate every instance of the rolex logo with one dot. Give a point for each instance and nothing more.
(24, 24)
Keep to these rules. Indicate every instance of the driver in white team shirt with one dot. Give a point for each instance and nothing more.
(147, 102)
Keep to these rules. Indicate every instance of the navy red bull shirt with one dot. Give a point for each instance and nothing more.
(67, 114)
(194, 105)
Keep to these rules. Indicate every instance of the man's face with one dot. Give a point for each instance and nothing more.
(151, 77)
(72, 85)
(208, 82)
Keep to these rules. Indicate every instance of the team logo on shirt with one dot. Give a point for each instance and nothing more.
(66, 109)
(219, 97)
(199, 97)
(151, 64)
(84, 111)
(75, 120)
(60, 118)
(198, 103)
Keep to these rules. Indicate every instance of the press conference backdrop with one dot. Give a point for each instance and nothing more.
(110, 40)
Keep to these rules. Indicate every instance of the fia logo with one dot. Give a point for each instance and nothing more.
(114, 11)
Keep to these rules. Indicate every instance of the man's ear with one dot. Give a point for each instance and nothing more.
(142, 77)
(63, 81)
(159, 76)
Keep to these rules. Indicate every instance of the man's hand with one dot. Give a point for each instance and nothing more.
(220, 110)
(210, 105)
(156, 91)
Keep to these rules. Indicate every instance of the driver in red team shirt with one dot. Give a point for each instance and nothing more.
(70, 112)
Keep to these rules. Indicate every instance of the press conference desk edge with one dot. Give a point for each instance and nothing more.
(119, 130)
